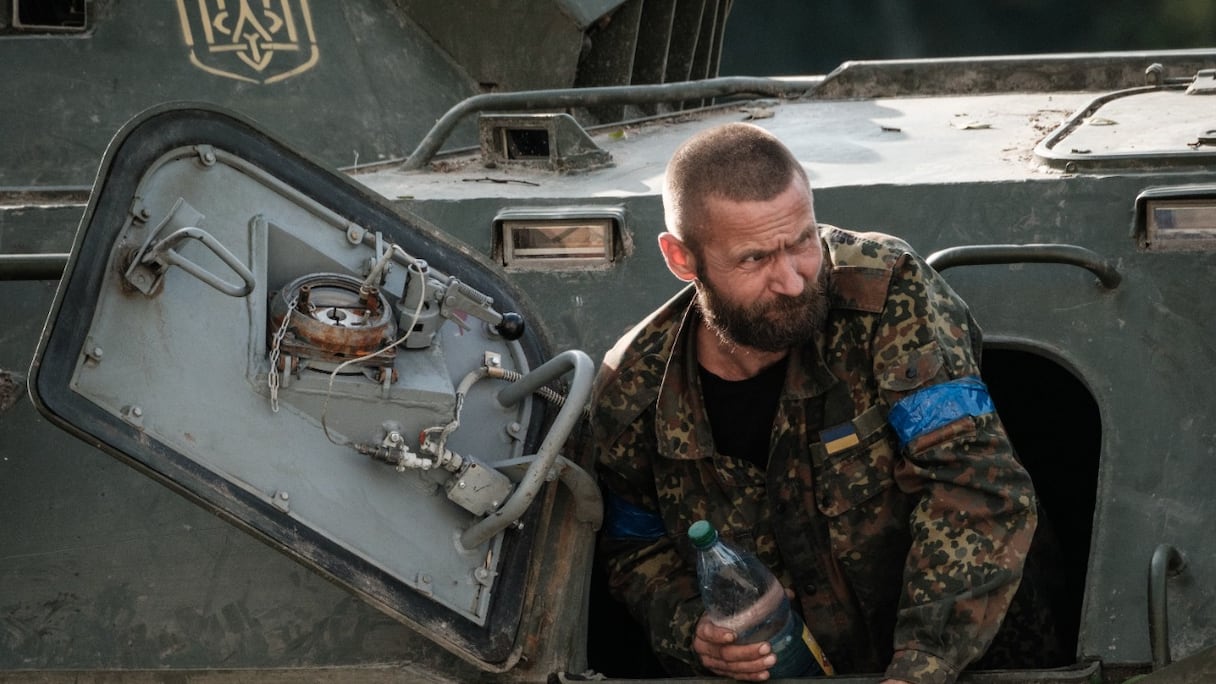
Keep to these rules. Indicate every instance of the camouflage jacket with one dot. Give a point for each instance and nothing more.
(892, 505)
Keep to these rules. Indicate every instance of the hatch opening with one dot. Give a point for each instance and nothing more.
(553, 141)
(524, 143)
(1054, 424)
(50, 16)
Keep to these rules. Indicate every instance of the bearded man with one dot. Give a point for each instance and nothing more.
(815, 394)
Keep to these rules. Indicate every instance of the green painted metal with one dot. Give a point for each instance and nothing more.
(1102, 374)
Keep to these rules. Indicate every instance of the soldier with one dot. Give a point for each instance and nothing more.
(815, 394)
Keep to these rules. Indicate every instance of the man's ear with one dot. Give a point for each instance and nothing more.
(680, 260)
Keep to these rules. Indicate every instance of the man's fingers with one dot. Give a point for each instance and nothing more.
(735, 654)
(753, 670)
(718, 652)
(727, 663)
(713, 633)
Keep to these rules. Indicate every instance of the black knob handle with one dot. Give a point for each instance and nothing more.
(511, 327)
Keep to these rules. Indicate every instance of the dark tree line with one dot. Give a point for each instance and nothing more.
(771, 37)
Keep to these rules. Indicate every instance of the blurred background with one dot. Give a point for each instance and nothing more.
(783, 37)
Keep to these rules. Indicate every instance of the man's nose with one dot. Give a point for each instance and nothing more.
(786, 278)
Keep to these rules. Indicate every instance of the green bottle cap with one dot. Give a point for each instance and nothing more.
(702, 534)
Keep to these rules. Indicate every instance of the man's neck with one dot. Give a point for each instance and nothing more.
(731, 361)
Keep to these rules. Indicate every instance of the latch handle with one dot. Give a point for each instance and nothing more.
(546, 455)
(163, 253)
(148, 265)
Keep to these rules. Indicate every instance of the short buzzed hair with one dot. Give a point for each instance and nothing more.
(737, 162)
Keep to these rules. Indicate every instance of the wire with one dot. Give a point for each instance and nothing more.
(413, 264)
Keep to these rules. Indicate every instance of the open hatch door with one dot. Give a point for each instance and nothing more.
(280, 345)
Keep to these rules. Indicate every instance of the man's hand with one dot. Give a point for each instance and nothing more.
(715, 646)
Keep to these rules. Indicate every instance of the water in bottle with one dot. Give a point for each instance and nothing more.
(742, 595)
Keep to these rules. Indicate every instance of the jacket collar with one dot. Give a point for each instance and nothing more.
(681, 423)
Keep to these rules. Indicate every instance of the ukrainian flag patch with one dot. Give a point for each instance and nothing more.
(838, 438)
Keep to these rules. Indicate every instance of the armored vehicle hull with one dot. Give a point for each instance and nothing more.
(1070, 199)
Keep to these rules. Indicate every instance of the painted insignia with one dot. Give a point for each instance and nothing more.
(256, 41)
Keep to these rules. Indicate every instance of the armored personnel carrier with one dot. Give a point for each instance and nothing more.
(307, 356)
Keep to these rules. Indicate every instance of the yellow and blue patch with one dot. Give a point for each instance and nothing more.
(838, 438)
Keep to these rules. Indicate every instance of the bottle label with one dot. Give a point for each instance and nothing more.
(817, 651)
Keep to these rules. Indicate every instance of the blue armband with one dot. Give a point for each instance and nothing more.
(623, 520)
(934, 407)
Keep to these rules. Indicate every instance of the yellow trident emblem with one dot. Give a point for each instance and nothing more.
(257, 41)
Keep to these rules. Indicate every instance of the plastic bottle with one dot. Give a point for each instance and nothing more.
(742, 595)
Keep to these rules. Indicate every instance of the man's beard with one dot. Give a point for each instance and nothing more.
(776, 325)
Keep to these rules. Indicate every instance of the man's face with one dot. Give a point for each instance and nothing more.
(760, 271)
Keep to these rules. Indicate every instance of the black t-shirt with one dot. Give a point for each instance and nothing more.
(741, 412)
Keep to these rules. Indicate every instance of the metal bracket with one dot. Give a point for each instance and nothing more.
(206, 154)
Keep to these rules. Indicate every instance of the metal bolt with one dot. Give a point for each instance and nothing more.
(423, 584)
(284, 495)
(97, 353)
(137, 411)
(145, 213)
(460, 484)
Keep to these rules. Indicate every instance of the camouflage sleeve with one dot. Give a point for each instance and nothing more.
(644, 569)
(974, 515)
(649, 577)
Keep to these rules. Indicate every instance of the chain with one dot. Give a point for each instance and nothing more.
(273, 377)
